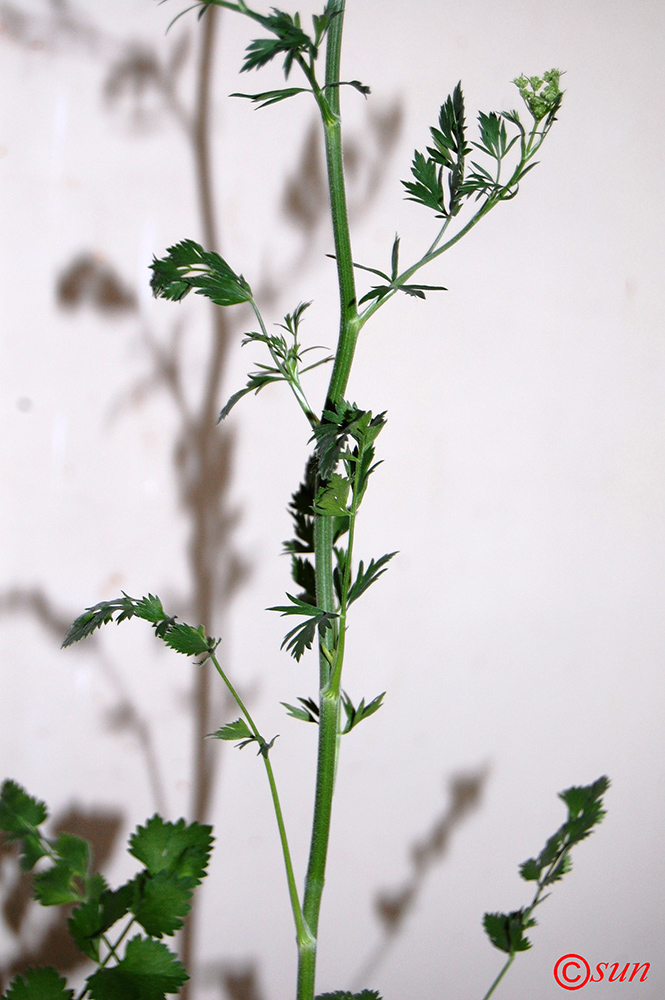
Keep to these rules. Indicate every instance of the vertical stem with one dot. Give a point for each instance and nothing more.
(329, 698)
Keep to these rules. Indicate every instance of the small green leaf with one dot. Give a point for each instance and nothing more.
(161, 902)
(173, 847)
(332, 498)
(309, 712)
(268, 97)
(238, 730)
(148, 971)
(301, 637)
(366, 577)
(39, 984)
(290, 39)
(363, 711)
(188, 266)
(506, 930)
(75, 851)
(188, 640)
(19, 812)
(56, 886)
(530, 870)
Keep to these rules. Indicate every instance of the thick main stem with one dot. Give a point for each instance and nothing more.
(329, 697)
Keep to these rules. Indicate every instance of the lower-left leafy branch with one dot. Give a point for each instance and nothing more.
(119, 930)
(192, 641)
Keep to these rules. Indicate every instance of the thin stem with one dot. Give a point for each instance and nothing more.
(304, 936)
(498, 979)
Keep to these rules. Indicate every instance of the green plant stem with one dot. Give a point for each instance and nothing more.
(498, 979)
(329, 696)
(303, 935)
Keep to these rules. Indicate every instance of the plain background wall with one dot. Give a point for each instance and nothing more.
(521, 626)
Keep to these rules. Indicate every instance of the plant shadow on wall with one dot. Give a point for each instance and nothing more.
(145, 86)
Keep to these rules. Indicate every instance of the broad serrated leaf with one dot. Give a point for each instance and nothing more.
(75, 852)
(530, 870)
(56, 886)
(39, 984)
(178, 636)
(336, 426)
(581, 798)
(148, 971)
(188, 266)
(506, 930)
(188, 640)
(173, 847)
(20, 817)
(161, 902)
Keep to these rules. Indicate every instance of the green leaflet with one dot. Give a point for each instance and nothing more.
(506, 930)
(39, 984)
(148, 971)
(177, 848)
(301, 637)
(20, 817)
(188, 266)
(161, 902)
